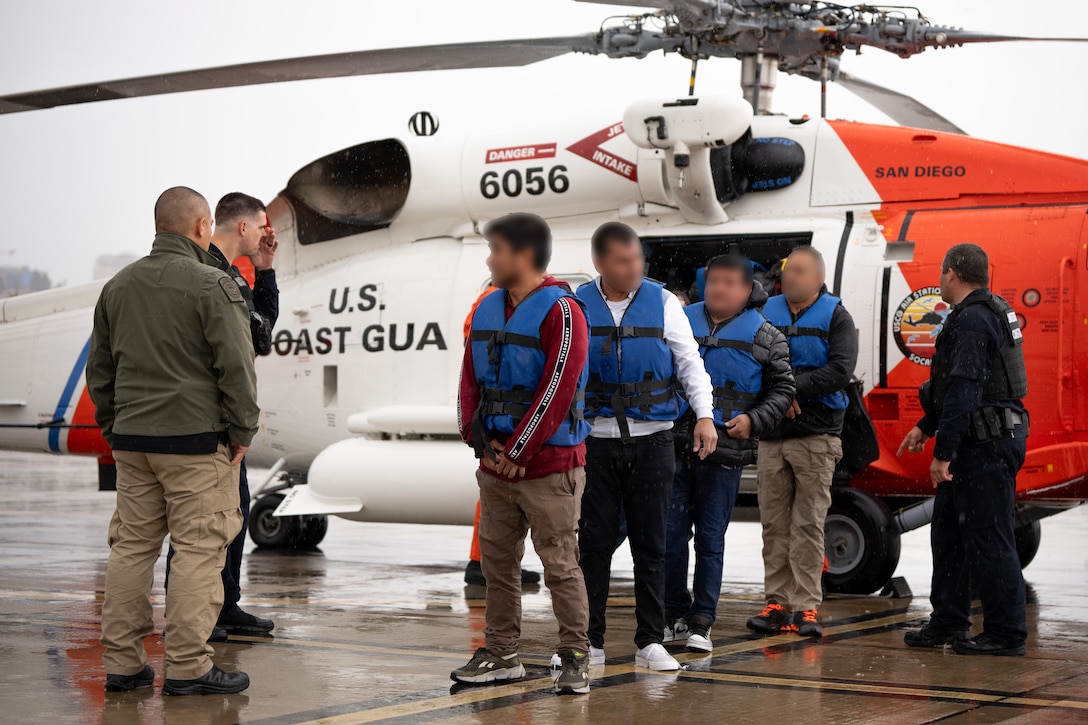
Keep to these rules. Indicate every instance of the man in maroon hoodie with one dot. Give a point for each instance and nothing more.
(521, 408)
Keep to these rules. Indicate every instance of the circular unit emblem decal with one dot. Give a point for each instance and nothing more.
(917, 322)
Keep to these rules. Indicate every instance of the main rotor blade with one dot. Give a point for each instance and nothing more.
(487, 54)
(901, 108)
(956, 37)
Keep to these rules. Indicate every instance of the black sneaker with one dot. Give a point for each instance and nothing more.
(573, 678)
(218, 635)
(807, 624)
(774, 619)
(987, 644)
(930, 636)
(124, 683)
(474, 574)
(215, 682)
(235, 620)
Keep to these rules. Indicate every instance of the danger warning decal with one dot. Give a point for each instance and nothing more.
(590, 149)
(520, 153)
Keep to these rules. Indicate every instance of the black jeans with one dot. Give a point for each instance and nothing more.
(633, 476)
(973, 541)
(232, 568)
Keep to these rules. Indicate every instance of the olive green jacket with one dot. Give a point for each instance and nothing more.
(171, 353)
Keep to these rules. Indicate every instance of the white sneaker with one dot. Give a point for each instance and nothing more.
(596, 655)
(678, 630)
(698, 641)
(656, 658)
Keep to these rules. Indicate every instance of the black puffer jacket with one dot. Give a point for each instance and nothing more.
(770, 350)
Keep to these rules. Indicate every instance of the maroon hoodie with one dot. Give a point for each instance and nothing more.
(564, 338)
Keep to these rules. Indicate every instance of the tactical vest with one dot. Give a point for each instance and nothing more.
(508, 361)
(807, 337)
(631, 369)
(728, 358)
(1008, 376)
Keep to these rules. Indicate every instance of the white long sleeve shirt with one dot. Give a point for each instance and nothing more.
(689, 368)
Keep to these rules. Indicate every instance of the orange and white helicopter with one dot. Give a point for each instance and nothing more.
(390, 229)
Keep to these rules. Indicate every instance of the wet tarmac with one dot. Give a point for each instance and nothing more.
(368, 628)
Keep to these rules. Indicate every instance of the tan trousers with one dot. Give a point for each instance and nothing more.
(194, 498)
(549, 507)
(794, 488)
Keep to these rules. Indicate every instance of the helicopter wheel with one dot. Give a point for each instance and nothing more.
(1028, 538)
(861, 542)
(284, 532)
(312, 531)
(269, 531)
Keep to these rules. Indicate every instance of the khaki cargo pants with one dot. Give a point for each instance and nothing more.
(794, 489)
(194, 498)
(550, 507)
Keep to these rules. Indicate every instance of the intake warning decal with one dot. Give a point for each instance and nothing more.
(590, 149)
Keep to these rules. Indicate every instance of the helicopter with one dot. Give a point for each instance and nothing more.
(390, 229)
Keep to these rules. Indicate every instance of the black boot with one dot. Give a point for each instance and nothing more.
(215, 682)
(234, 620)
(474, 574)
(930, 636)
(986, 644)
(124, 683)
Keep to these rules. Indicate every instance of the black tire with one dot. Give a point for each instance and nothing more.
(268, 531)
(1028, 538)
(313, 531)
(861, 542)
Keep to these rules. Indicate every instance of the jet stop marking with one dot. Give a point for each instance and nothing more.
(590, 149)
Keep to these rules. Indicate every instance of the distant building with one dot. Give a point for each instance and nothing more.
(107, 265)
(21, 280)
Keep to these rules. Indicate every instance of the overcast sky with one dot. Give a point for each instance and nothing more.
(80, 181)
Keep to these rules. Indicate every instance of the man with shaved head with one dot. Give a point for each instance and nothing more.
(797, 459)
(170, 371)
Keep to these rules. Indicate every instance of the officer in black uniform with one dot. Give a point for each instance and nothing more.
(972, 404)
(243, 230)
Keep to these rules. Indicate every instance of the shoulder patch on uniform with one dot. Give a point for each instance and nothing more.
(230, 289)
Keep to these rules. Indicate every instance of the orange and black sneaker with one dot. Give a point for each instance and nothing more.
(807, 625)
(774, 619)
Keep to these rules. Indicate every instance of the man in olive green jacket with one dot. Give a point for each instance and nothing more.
(170, 371)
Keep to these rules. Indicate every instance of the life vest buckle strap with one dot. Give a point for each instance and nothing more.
(795, 331)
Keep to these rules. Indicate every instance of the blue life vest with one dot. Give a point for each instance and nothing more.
(727, 356)
(807, 337)
(631, 368)
(508, 361)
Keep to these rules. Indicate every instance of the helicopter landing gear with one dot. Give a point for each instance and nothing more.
(1028, 537)
(861, 542)
(282, 532)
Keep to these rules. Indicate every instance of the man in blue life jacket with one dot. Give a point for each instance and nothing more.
(797, 459)
(973, 407)
(521, 407)
(640, 345)
(748, 361)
